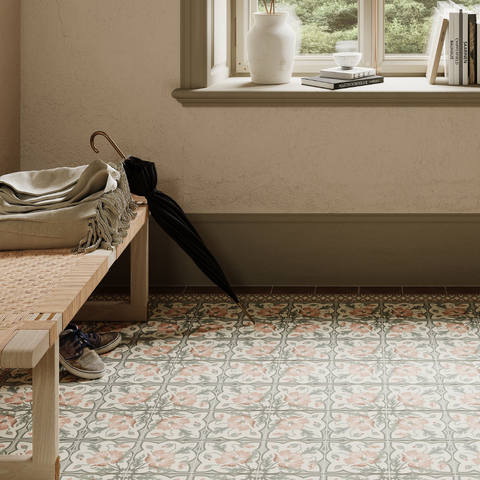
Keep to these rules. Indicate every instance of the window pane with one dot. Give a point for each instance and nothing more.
(319, 24)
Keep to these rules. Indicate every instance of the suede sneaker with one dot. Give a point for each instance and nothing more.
(101, 343)
(78, 356)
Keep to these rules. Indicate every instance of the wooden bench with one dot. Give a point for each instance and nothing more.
(40, 293)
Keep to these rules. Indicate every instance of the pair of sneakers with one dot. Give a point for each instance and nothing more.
(79, 351)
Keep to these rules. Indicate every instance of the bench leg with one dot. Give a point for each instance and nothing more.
(44, 463)
(45, 413)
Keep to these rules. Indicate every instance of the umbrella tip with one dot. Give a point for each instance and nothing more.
(246, 313)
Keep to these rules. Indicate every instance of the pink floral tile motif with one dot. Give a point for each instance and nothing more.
(71, 423)
(244, 397)
(176, 425)
(156, 349)
(92, 477)
(130, 397)
(417, 425)
(462, 397)
(213, 329)
(250, 372)
(296, 425)
(187, 397)
(126, 330)
(458, 311)
(25, 448)
(357, 372)
(411, 372)
(301, 350)
(230, 457)
(143, 372)
(404, 310)
(196, 372)
(406, 328)
(256, 349)
(465, 425)
(317, 311)
(409, 350)
(219, 310)
(418, 458)
(79, 396)
(414, 397)
(162, 328)
(15, 397)
(358, 328)
(300, 397)
(163, 457)
(350, 311)
(268, 328)
(465, 349)
(356, 349)
(357, 397)
(306, 329)
(117, 425)
(452, 329)
(293, 457)
(365, 458)
(209, 349)
(268, 311)
(357, 425)
(468, 457)
(100, 457)
(234, 425)
(121, 351)
(460, 372)
(174, 311)
(12, 422)
(303, 372)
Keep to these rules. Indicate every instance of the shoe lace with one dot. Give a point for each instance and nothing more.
(78, 339)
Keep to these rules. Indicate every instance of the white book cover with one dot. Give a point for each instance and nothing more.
(351, 73)
(437, 42)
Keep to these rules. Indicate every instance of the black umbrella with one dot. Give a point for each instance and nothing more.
(142, 179)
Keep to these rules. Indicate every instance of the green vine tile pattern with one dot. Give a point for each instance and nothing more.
(332, 387)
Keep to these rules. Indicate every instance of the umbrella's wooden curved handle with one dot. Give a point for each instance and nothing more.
(114, 145)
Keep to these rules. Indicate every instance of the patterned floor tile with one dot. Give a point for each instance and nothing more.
(233, 458)
(234, 425)
(293, 457)
(414, 397)
(421, 458)
(341, 390)
(176, 425)
(296, 425)
(357, 397)
(357, 372)
(355, 457)
(163, 458)
(357, 426)
(417, 425)
(303, 372)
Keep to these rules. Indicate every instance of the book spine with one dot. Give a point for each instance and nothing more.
(478, 55)
(464, 47)
(458, 48)
(358, 83)
(452, 29)
(472, 49)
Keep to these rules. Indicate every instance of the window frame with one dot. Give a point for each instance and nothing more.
(371, 44)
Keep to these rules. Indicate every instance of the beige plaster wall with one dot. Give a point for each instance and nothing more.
(9, 86)
(112, 65)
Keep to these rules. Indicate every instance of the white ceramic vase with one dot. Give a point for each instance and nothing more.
(271, 49)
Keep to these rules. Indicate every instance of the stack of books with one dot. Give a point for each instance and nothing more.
(455, 32)
(338, 77)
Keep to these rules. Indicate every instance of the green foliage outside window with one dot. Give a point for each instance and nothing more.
(325, 22)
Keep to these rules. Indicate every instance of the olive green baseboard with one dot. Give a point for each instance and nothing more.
(322, 249)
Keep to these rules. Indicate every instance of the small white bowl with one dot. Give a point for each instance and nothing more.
(347, 60)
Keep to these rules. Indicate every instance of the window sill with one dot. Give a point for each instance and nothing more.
(394, 92)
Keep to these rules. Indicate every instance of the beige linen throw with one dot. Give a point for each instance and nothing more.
(84, 208)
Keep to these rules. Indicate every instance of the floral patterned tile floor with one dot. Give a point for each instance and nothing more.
(311, 391)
